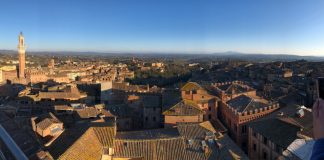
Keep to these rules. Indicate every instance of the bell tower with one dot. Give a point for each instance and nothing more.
(21, 55)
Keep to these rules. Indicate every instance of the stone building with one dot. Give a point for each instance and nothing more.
(151, 105)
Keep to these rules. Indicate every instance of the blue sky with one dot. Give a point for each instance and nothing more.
(203, 26)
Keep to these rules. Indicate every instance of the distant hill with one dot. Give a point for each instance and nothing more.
(219, 55)
(272, 57)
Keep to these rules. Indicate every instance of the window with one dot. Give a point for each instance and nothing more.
(244, 145)
(209, 108)
(154, 119)
(154, 108)
(146, 118)
(265, 140)
(265, 155)
(255, 134)
(278, 149)
(194, 92)
(209, 116)
(187, 92)
(254, 147)
(244, 129)
(55, 129)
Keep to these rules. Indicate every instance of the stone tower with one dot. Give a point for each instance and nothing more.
(21, 55)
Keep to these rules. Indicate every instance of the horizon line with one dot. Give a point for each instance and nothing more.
(166, 52)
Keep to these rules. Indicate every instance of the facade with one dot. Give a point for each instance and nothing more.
(151, 105)
(269, 138)
(105, 91)
(36, 76)
(287, 73)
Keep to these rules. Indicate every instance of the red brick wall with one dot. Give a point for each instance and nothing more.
(237, 120)
(172, 120)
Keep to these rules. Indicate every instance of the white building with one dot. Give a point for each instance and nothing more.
(1, 79)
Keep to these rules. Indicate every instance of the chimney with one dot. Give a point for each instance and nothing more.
(204, 147)
(300, 113)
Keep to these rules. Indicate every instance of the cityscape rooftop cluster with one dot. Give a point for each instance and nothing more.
(153, 108)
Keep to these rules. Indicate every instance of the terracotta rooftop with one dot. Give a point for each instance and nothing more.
(46, 121)
(148, 134)
(273, 129)
(233, 88)
(59, 95)
(86, 147)
(162, 149)
(191, 86)
(184, 142)
(83, 142)
(88, 112)
(25, 141)
(244, 103)
(184, 108)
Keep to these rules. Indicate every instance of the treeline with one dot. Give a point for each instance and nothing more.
(161, 81)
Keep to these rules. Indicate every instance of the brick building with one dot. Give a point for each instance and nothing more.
(184, 111)
(229, 90)
(239, 111)
(204, 97)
